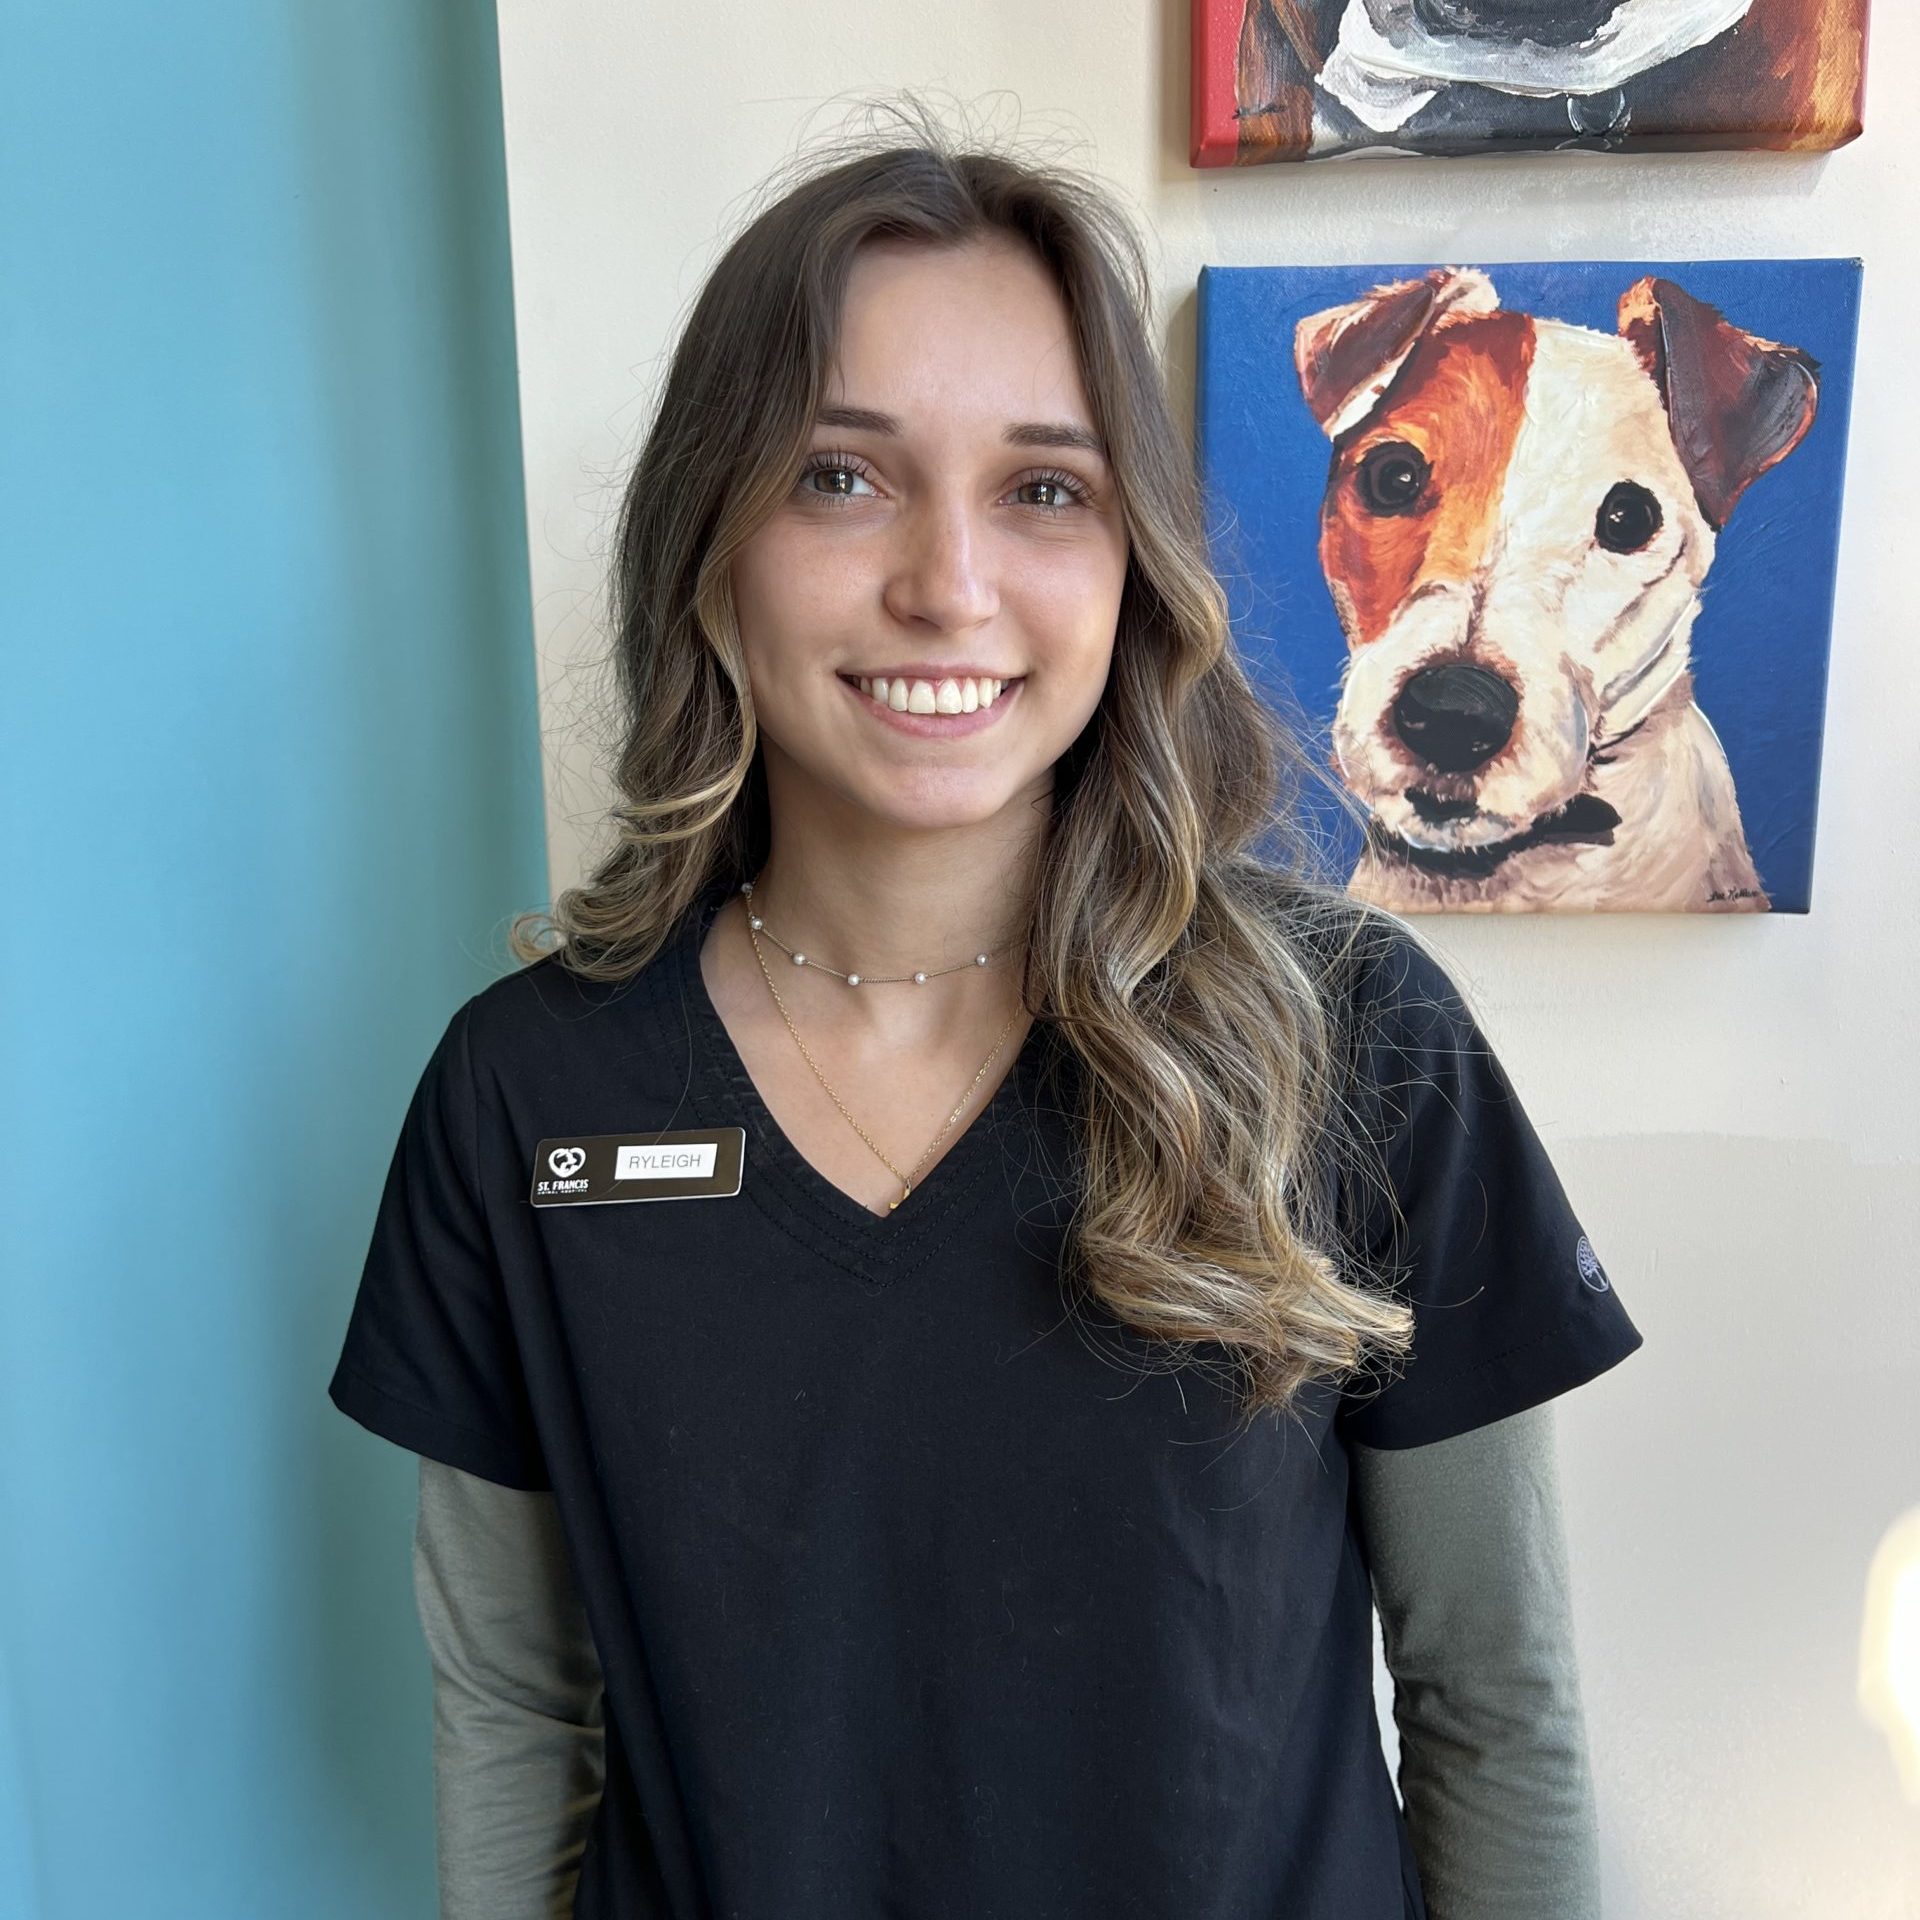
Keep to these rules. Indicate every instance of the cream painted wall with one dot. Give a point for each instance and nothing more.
(1729, 1100)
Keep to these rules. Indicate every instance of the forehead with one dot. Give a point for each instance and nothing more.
(936, 331)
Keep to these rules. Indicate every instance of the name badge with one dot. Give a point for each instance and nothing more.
(594, 1169)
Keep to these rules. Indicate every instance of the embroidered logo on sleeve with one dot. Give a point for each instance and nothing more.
(1588, 1262)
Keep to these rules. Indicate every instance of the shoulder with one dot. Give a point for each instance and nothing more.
(1417, 1056)
(1409, 1063)
(510, 996)
(1403, 992)
(546, 989)
(535, 1018)
(1374, 972)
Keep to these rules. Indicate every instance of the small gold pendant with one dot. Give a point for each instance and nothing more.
(904, 1192)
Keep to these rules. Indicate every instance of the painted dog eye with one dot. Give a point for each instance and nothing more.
(1391, 477)
(1629, 517)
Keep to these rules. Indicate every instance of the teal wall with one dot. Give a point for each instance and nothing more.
(271, 790)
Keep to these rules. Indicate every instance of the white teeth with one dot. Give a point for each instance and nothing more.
(949, 695)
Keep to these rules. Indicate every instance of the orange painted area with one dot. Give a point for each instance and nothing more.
(1460, 399)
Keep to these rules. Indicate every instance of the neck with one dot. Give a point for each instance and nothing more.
(859, 892)
(868, 896)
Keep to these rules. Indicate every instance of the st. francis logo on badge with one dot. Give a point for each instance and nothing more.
(596, 1169)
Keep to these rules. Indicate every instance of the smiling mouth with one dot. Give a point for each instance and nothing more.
(945, 695)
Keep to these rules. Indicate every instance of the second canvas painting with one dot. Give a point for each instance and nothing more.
(1550, 549)
(1300, 79)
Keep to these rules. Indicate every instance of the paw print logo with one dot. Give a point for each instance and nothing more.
(1588, 1262)
(567, 1161)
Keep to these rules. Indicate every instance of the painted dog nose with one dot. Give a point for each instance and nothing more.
(1455, 716)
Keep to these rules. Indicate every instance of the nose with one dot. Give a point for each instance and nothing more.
(1455, 716)
(942, 577)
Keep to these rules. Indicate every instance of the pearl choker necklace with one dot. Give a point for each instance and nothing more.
(919, 979)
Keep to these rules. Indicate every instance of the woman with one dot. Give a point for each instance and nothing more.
(1084, 1256)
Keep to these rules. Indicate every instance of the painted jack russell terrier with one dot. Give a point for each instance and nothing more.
(1518, 519)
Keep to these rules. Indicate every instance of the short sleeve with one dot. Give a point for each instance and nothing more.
(430, 1359)
(1511, 1303)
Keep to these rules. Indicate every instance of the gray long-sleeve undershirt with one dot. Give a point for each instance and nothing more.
(518, 1698)
(1469, 1567)
(1469, 1575)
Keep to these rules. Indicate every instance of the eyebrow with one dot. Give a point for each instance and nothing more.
(1023, 433)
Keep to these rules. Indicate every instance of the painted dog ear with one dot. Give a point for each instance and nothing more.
(1737, 404)
(1347, 356)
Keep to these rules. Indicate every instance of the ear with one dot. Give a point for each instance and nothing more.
(1347, 356)
(1737, 404)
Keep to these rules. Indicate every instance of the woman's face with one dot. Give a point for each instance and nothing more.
(954, 524)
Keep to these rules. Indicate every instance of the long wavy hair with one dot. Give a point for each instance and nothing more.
(1187, 943)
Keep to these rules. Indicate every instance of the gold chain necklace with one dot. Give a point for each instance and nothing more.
(905, 1179)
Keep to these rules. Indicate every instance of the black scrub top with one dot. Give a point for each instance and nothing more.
(917, 1597)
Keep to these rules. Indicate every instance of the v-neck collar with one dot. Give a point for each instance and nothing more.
(829, 1219)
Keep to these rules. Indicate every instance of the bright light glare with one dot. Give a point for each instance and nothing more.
(1890, 1648)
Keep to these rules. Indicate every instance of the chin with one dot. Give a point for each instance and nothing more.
(940, 806)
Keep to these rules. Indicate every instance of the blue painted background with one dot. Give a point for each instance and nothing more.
(271, 790)
(1760, 646)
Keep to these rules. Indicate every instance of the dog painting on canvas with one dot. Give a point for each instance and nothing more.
(1301, 79)
(1519, 520)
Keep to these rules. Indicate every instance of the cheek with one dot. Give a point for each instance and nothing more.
(756, 607)
(1066, 605)
(786, 599)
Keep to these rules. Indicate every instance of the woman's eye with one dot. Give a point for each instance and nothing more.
(1067, 490)
(844, 480)
(837, 480)
(1047, 486)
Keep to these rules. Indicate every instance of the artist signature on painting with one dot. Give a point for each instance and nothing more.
(1734, 893)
